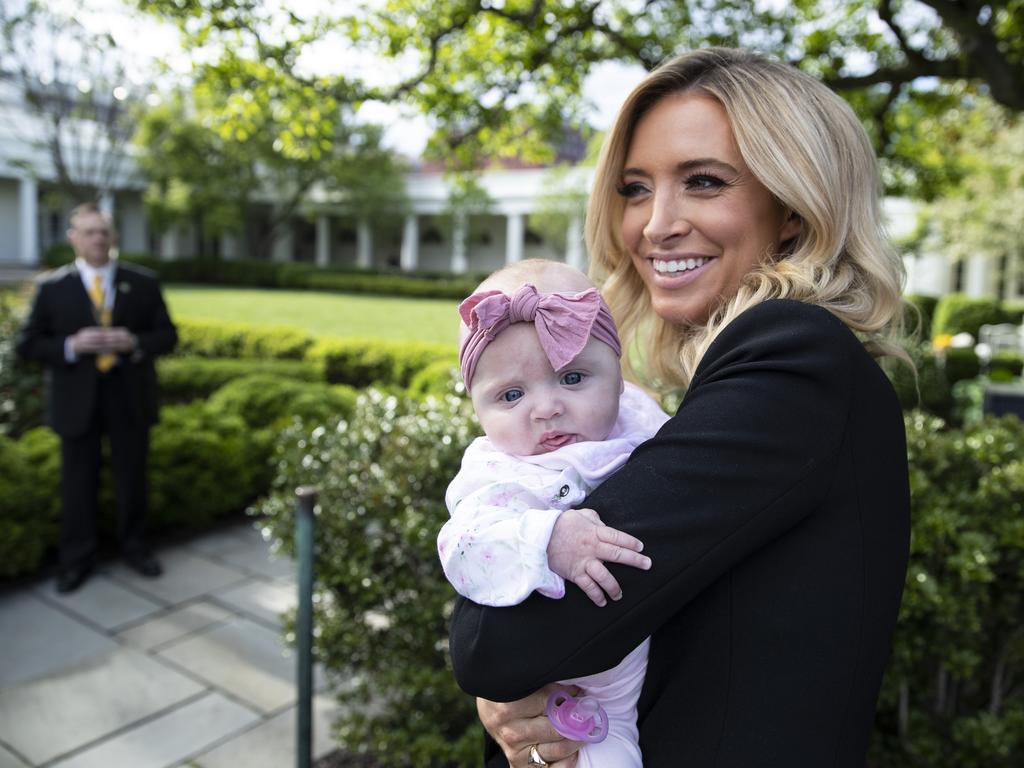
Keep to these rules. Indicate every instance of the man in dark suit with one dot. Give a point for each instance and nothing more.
(97, 325)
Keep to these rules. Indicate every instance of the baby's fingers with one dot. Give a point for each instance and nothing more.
(591, 589)
(607, 582)
(619, 538)
(610, 553)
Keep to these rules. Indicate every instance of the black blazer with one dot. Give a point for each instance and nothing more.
(61, 308)
(775, 507)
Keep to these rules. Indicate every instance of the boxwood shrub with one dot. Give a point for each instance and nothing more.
(362, 362)
(957, 313)
(29, 500)
(264, 400)
(215, 338)
(949, 698)
(184, 379)
(382, 602)
(918, 314)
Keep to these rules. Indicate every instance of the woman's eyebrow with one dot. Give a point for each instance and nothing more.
(687, 165)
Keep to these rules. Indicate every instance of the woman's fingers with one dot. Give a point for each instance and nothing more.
(561, 753)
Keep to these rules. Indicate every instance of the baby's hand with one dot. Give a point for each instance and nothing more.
(581, 544)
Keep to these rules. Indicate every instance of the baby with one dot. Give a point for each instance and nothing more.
(539, 355)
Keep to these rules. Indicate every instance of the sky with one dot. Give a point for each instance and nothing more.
(147, 39)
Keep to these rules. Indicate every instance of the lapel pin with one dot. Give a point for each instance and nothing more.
(124, 287)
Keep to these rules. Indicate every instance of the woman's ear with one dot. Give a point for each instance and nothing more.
(792, 225)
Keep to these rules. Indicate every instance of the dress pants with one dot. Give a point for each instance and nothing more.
(80, 471)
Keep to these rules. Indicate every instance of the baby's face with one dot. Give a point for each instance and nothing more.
(526, 407)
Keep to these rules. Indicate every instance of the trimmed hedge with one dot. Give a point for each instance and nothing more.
(362, 362)
(29, 500)
(215, 338)
(957, 313)
(21, 384)
(251, 273)
(207, 460)
(263, 400)
(918, 315)
(184, 379)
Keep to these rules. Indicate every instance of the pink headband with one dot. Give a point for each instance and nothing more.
(564, 322)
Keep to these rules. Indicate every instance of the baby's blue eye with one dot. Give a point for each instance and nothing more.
(511, 395)
(572, 377)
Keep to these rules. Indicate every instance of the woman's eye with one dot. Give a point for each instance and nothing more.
(572, 377)
(511, 395)
(704, 182)
(633, 189)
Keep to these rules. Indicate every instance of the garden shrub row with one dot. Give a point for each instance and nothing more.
(948, 698)
(184, 379)
(957, 313)
(356, 362)
(297, 276)
(208, 460)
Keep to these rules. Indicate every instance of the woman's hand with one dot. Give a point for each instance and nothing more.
(518, 725)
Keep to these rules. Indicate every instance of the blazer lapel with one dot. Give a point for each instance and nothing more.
(78, 299)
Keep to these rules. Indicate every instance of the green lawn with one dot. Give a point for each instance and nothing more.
(322, 314)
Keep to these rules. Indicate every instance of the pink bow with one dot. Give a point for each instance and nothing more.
(564, 323)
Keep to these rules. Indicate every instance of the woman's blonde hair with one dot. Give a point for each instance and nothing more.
(807, 147)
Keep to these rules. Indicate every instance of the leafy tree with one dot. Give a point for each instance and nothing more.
(80, 94)
(504, 77)
(254, 128)
(504, 74)
(982, 214)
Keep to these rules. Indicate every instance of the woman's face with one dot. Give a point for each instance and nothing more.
(695, 220)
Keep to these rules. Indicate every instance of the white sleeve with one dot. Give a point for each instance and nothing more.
(494, 547)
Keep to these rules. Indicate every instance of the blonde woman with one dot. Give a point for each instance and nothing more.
(734, 227)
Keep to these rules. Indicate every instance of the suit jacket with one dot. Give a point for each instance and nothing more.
(61, 307)
(775, 508)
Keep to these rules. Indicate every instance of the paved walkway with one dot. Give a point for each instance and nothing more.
(186, 670)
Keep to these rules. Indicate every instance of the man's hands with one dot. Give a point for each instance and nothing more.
(581, 544)
(98, 340)
(519, 725)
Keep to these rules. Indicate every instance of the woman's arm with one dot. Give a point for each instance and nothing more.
(746, 457)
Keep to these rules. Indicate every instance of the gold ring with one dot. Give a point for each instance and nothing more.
(535, 758)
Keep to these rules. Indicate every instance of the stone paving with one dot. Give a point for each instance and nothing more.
(186, 670)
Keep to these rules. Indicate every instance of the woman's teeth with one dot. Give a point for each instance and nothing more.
(681, 265)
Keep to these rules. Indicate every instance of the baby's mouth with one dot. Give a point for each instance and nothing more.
(551, 440)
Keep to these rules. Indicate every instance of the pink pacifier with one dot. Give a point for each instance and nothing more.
(582, 719)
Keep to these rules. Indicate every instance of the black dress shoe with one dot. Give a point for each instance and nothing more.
(145, 564)
(71, 578)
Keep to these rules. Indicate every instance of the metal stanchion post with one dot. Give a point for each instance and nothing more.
(304, 624)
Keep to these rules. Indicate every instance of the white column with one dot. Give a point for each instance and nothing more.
(364, 244)
(460, 264)
(228, 247)
(976, 276)
(169, 244)
(515, 228)
(28, 221)
(106, 203)
(282, 250)
(323, 240)
(575, 254)
(410, 243)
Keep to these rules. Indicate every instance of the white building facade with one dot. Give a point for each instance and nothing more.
(423, 238)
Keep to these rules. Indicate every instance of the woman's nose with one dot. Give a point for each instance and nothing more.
(667, 220)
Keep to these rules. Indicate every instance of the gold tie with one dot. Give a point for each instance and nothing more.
(99, 300)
